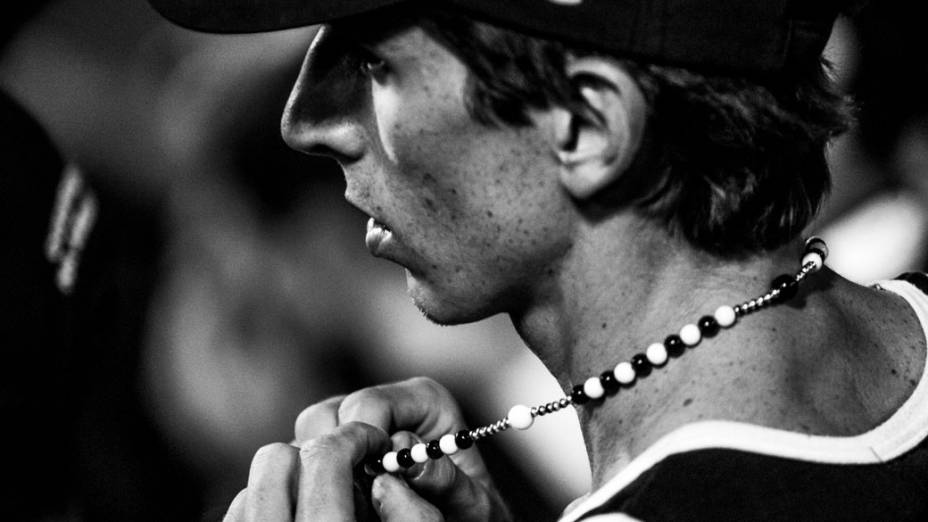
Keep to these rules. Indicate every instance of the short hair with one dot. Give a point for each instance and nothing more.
(736, 165)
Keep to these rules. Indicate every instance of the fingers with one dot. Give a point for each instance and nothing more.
(269, 495)
(456, 485)
(455, 492)
(236, 512)
(327, 464)
(271, 482)
(395, 501)
(343, 431)
(419, 405)
(445, 486)
(317, 420)
(313, 482)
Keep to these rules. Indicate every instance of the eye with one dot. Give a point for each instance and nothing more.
(370, 64)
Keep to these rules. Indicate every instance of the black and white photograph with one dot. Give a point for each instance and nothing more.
(464, 260)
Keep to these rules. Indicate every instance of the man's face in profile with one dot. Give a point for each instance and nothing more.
(471, 211)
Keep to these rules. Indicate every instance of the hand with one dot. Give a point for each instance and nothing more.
(312, 482)
(336, 435)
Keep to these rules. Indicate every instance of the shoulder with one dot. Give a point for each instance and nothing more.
(866, 358)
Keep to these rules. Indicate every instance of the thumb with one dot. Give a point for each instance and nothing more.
(458, 495)
(395, 501)
(461, 497)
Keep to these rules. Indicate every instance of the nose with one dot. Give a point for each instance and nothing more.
(323, 113)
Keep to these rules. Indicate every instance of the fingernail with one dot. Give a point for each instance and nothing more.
(406, 440)
(377, 494)
(418, 471)
(383, 485)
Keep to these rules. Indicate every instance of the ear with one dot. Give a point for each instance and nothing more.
(597, 145)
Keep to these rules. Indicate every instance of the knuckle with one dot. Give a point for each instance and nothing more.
(368, 398)
(422, 381)
(358, 431)
(342, 444)
(314, 415)
(323, 446)
(433, 393)
(273, 455)
(365, 396)
(236, 508)
(429, 386)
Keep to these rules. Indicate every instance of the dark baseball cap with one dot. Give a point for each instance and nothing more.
(740, 36)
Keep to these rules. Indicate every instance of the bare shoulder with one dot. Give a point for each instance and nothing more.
(849, 358)
(885, 347)
(838, 360)
(889, 324)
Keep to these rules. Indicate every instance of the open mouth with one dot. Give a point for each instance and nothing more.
(377, 233)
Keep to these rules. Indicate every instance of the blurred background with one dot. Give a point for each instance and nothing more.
(226, 285)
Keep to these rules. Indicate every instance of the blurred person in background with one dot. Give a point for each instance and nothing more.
(93, 244)
(79, 262)
(33, 396)
(512, 174)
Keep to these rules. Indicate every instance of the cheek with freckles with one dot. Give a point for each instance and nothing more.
(432, 162)
(482, 212)
(478, 208)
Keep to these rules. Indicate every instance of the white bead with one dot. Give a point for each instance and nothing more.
(520, 417)
(447, 444)
(419, 454)
(390, 465)
(624, 373)
(690, 335)
(593, 388)
(814, 258)
(657, 354)
(725, 316)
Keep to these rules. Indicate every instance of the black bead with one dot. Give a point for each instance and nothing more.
(787, 286)
(674, 345)
(463, 440)
(815, 244)
(404, 458)
(708, 326)
(641, 364)
(607, 379)
(433, 450)
(578, 396)
(818, 251)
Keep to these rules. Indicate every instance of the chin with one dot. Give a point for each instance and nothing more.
(444, 307)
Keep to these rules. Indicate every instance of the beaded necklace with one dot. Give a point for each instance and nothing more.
(624, 374)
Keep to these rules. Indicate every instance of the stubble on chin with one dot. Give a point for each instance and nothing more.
(438, 307)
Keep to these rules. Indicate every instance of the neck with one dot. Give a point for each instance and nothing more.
(617, 293)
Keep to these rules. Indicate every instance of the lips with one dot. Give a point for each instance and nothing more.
(377, 234)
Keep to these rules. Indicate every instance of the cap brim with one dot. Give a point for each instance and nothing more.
(251, 16)
(757, 37)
